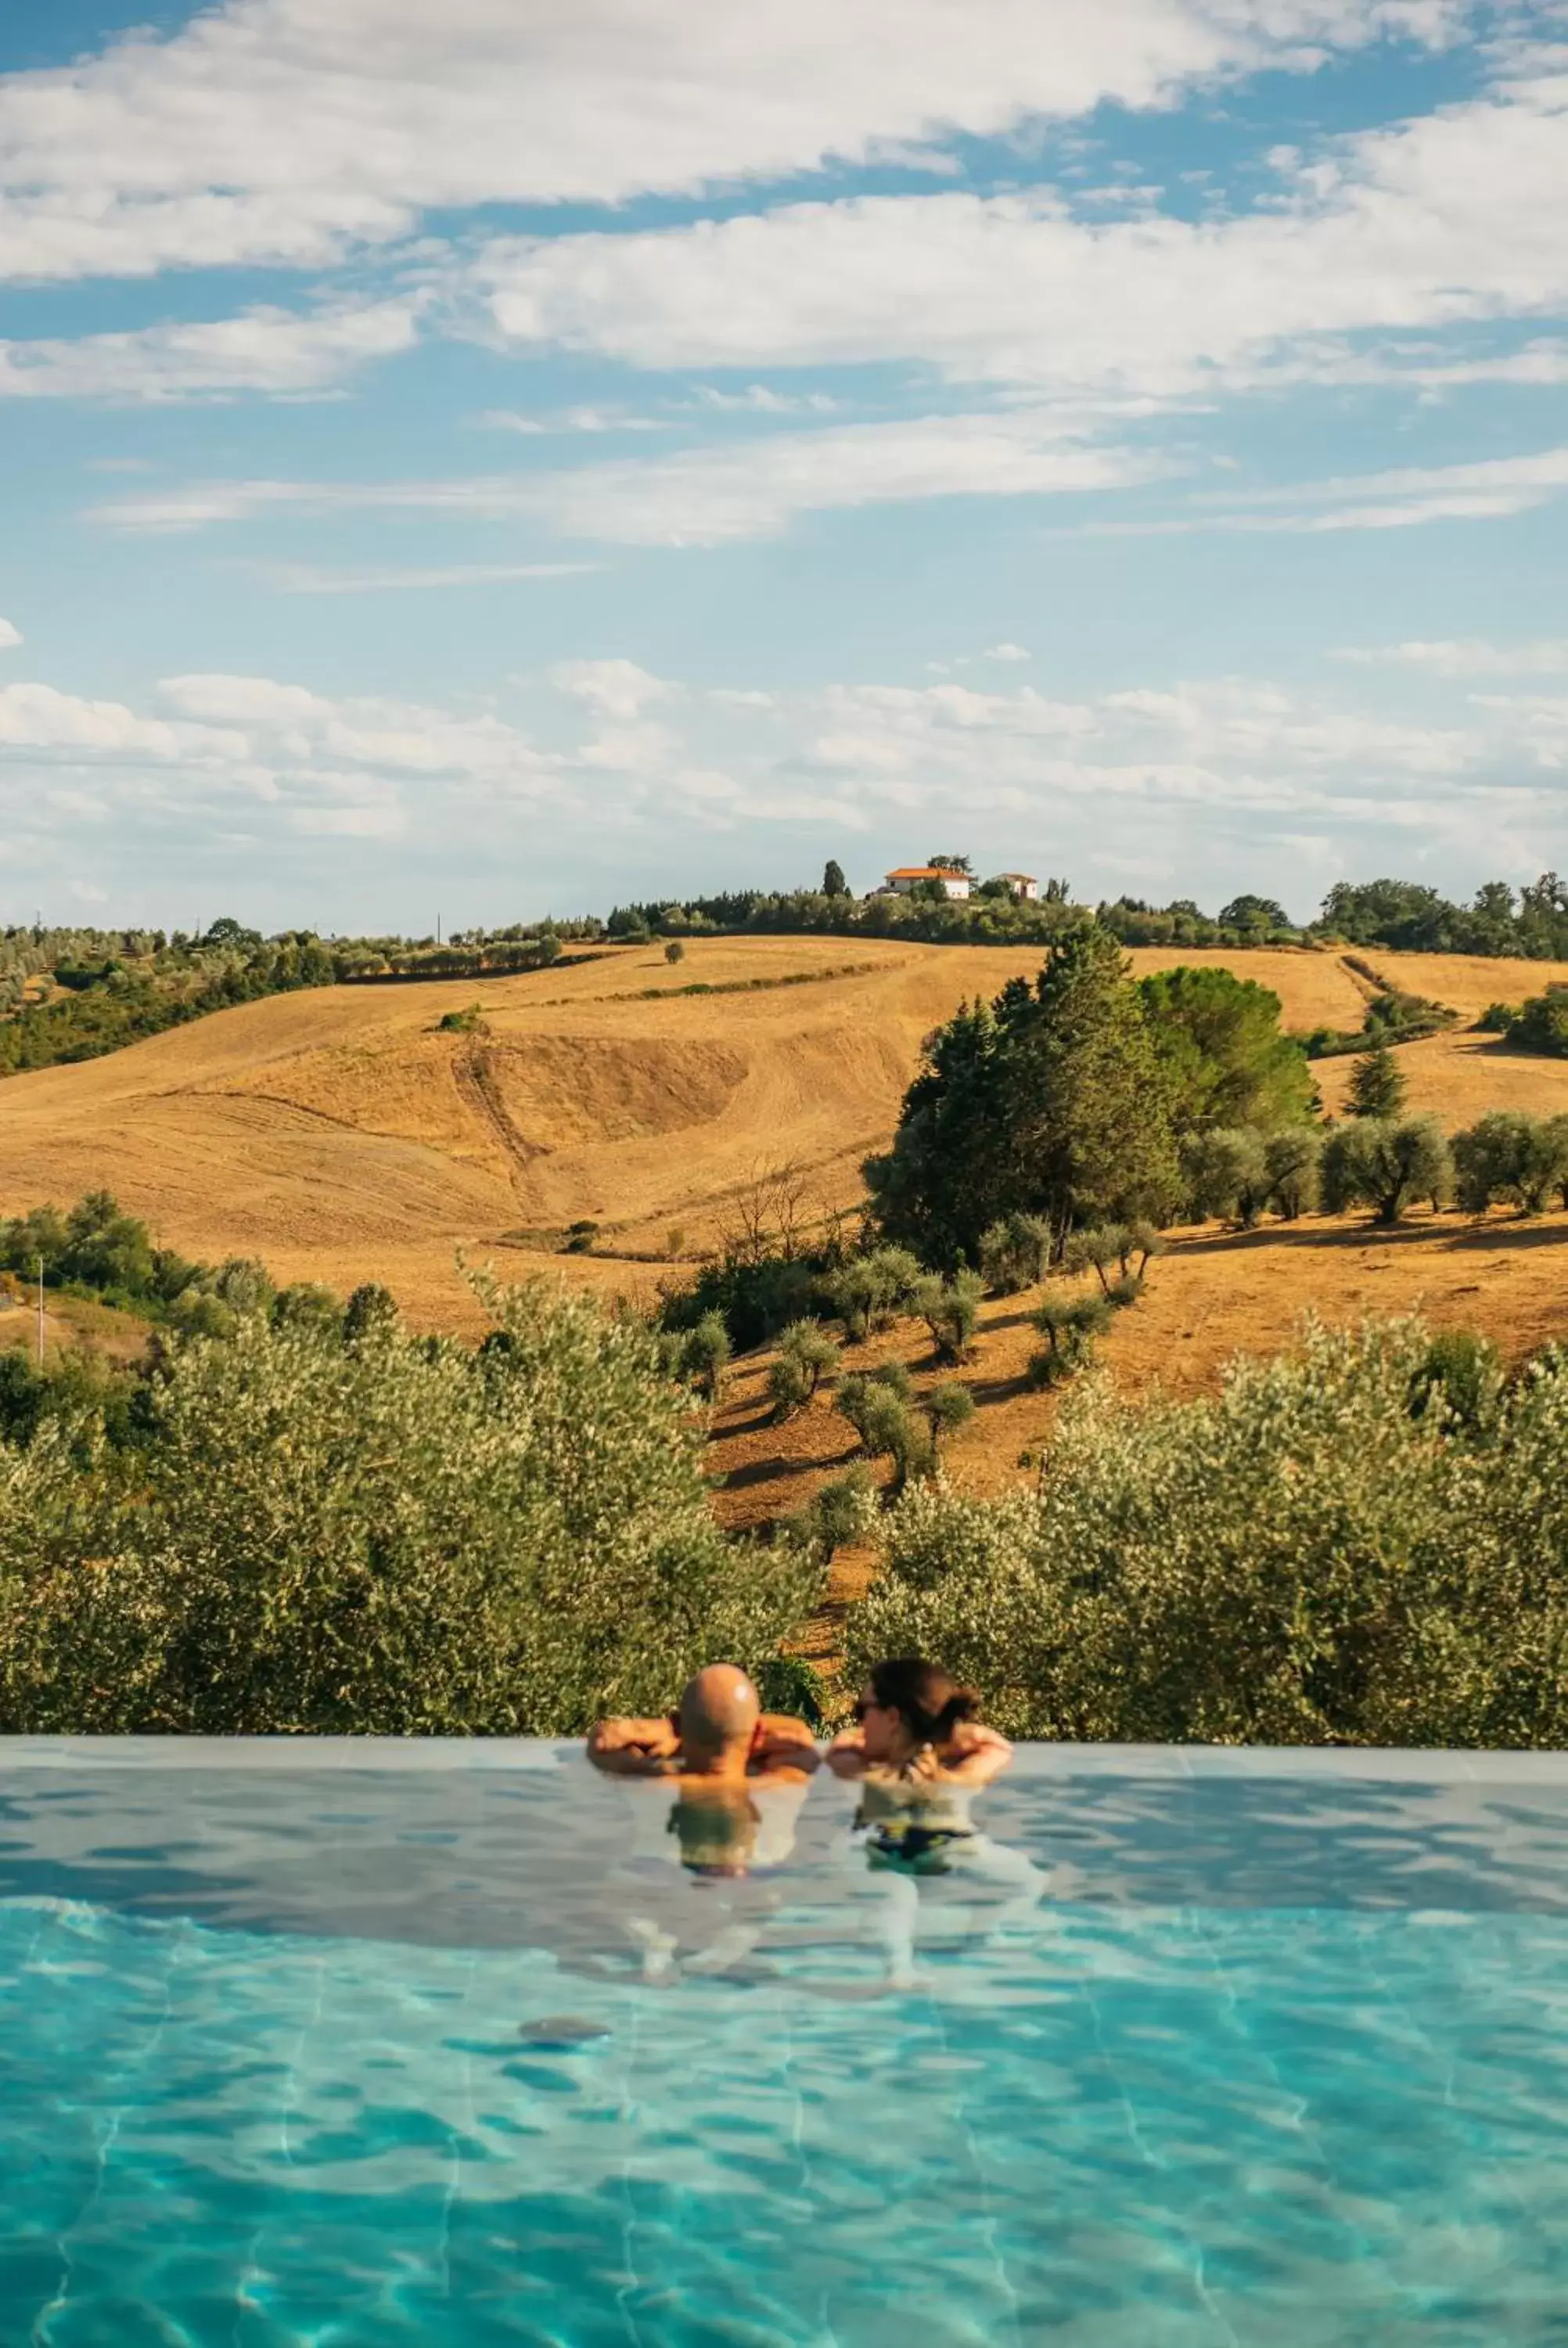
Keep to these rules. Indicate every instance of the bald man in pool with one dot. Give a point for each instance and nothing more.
(719, 1732)
(738, 1776)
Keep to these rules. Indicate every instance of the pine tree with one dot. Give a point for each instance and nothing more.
(1050, 1101)
(834, 883)
(1377, 1083)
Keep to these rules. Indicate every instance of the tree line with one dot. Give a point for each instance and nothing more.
(105, 990)
(1401, 915)
(74, 994)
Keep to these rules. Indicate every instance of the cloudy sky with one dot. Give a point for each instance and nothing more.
(520, 454)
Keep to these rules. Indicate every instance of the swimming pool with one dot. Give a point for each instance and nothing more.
(368, 2044)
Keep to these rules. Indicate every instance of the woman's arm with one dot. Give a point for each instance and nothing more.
(975, 1755)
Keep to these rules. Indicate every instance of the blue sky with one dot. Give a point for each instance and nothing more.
(495, 459)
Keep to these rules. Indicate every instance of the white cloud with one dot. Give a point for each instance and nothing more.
(36, 717)
(244, 701)
(10, 636)
(1465, 656)
(1493, 487)
(1006, 653)
(1451, 218)
(277, 351)
(614, 688)
(571, 419)
(1248, 768)
(1410, 495)
(760, 399)
(304, 579)
(285, 129)
(710, 496)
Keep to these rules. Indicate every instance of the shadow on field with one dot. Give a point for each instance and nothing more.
(1454, 1238)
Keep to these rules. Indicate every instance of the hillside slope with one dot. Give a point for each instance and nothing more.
(340, 1134)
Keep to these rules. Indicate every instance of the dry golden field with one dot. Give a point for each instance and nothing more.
(339, 1134)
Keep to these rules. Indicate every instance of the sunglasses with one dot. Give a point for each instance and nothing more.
(865, 1704)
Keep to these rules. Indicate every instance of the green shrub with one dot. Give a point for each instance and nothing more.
(788, 1386)
(951, 1310)
(1225, 1171)
(306, 1304)
(1290, 1165)
(706, 1353)
(1386, 1166)
(1461, 1374)
(1101, 1251)
(1509, 1155)
(870, 1290)
(1497, 1018)
(1144, 1243)
(674, 951)
(1069, 1325)
(468, 1022)
(841, 1512)
(947, 1408)
(791, 1683)
(1014, 1253)
(397, 1537)
(1307, 1559)
(1542, 1025)
(371, 1310)
(581, 1237)
(806, 1344)
(883, 1418)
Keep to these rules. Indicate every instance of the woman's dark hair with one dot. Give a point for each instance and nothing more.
(928, 1700)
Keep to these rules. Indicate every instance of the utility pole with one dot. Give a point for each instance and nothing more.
(40, 1312)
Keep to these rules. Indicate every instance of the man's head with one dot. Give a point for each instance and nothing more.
(718, 1718)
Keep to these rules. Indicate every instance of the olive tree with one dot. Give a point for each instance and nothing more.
(1226, 1173)
(1386, 1166)
(1290, 1162)
(951, 1310)
(1326, 1552)
(394, 1536)
(1014, 1252)
(1507, 1155)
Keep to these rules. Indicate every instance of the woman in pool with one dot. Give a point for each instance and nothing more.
(915, 1725)
(919, 1755)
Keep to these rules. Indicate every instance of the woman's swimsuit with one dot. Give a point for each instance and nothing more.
(920, 1838)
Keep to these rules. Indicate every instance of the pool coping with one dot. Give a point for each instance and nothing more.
(1407, 1765)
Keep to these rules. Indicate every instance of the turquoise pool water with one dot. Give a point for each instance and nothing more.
(291, 2051)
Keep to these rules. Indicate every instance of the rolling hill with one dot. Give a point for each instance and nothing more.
(342, 1135)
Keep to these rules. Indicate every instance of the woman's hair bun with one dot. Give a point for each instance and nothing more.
(926, 1697)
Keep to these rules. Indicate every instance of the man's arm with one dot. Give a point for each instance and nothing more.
(634, 1748)
(847, 1754)
(783, 1742)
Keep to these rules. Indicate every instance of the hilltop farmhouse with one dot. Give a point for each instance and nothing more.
(907, 878)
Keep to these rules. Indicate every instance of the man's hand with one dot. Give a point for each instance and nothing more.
(634, 1748)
